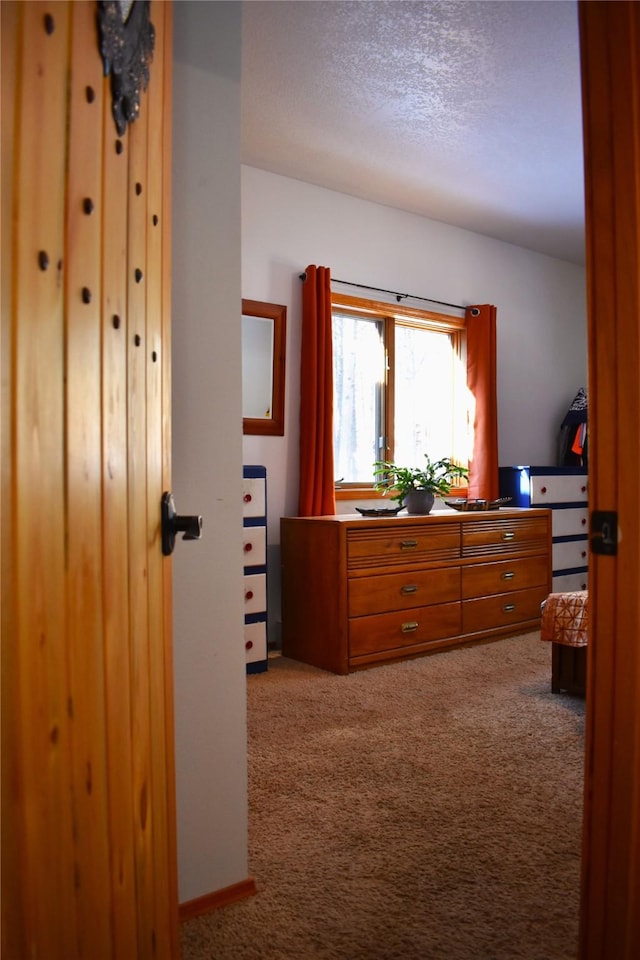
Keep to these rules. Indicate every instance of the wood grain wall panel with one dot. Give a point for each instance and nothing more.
(42, 719)
(85, 635)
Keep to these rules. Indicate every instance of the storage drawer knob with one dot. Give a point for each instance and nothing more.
(410, 627)
(248, 547)
(249, 595)
(508, 575)
(409, 588)
(509, 607)
(247, 498)
(248, 645)
(584, 521)
(408, 544)
(509, 535)
(583, 489)
(543, 489)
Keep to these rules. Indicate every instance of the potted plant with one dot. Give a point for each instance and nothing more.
(416, 487)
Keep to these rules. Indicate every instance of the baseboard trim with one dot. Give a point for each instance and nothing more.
(219, 898)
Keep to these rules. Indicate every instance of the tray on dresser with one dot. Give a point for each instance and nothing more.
(379, 511)
(467, 506)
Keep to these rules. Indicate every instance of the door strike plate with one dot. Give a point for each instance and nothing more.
(603, 538)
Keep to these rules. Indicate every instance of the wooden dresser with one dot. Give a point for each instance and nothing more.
(358, 591)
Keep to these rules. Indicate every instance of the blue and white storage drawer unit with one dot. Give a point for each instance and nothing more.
(254, 545)
(564, 491)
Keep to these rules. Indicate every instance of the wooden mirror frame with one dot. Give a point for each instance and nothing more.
(274, 425)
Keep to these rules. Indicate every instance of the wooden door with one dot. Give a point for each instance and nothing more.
(88, 810)
(610, 44)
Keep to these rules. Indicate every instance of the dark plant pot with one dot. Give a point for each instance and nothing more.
(419, 501)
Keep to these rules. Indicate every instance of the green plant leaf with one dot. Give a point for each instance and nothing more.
(435, 475)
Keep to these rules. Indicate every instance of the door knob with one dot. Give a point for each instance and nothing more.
(172, 525)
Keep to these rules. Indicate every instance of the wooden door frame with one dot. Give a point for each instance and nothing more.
(610, 55)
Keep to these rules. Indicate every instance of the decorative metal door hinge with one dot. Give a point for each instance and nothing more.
(127, 38)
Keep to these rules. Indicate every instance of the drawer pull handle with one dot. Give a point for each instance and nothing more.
(543, 489)
(248, 645)
(249, 595)
(248, 547)
(409, 588)
(509, 607)
(410, 627)
(509, 535)
(247, 498)
(509, 575)
(408, 544)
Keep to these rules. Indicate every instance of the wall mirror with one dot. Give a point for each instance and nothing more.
(263, 367)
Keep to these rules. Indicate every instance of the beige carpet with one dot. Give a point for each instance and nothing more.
(427, 810)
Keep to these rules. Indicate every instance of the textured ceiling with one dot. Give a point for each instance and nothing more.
(465, 112)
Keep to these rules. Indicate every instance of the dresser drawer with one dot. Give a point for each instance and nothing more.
(391, 631)
(255, 641)
(557, 489)
(254, 546)
(255, 593)
(569, 554)
(568, 582)
(486, 579)
(254, 498)
(494, 537)
(254, 559)
(570, 521)
(400, 591)
(389, 545)
(502, 610)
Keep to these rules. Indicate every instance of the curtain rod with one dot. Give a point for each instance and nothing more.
(398, 296)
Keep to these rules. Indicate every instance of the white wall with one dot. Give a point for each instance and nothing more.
(286, 225)
(210, 681)
(541, 303)
(541, 306)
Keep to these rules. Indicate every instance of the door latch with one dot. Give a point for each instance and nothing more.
(603, 538)
(172, 525)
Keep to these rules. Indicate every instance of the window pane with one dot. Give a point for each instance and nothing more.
(358, 380)
(424, 391)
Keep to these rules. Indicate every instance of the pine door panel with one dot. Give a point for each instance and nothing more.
(88, 779)
(117, 637)
(159, 668)
(84, 561)
(37, 629)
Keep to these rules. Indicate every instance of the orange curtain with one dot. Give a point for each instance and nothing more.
(317, 481)
(481, 381)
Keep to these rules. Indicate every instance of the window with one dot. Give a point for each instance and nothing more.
(400, 388)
